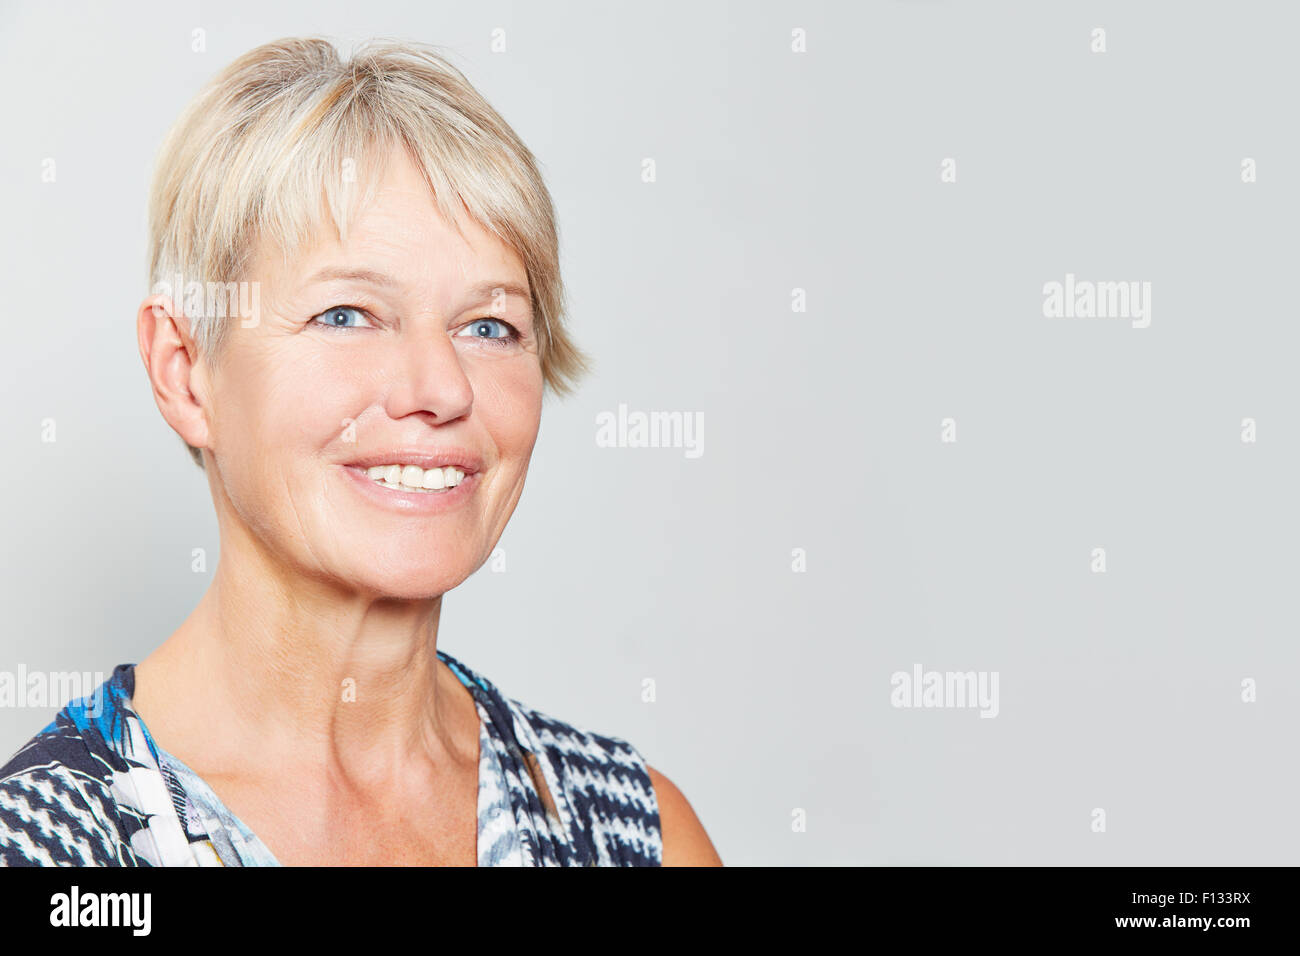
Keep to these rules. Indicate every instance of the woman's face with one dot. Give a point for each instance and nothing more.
(406, 345)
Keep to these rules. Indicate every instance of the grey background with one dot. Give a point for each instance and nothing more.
(779, 170)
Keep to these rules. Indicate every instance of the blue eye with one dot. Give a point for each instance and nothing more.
(336, 317)
(509, 332)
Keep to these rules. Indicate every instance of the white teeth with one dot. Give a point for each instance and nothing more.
(415, 478)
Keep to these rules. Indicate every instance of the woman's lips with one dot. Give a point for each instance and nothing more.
(466, 459)
(411, 502)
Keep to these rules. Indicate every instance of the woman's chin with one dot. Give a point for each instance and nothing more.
(408, 583)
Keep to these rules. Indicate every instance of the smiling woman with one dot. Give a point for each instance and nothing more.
(366, 428)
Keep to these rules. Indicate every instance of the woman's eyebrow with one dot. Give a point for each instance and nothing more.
(490, 286)
(360, 275)
(482, 290)
(488, 289)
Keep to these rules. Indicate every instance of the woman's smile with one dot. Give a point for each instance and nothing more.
(411, 501)
(417, 481)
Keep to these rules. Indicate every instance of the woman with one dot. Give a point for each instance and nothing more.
(365, 417)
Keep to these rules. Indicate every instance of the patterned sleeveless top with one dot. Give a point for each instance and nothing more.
(94, 789)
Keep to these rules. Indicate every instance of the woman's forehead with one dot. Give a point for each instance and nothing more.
(397, 246)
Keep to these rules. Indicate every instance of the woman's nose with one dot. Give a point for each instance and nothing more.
(428, 375)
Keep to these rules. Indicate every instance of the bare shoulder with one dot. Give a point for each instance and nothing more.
(685, 842)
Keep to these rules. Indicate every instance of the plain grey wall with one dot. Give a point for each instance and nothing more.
(779, 170)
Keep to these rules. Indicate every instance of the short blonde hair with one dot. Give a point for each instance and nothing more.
(290, 133)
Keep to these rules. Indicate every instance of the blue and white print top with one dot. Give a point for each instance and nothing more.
(94, 789)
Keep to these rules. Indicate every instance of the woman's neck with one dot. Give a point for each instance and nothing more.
(273, 672)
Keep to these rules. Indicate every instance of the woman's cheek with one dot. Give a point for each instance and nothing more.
(511, 396)
(311, 395)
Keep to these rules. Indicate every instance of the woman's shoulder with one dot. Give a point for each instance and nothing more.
(606, 781)
(603, 778)
(573, 744)
(582, 748)
(57, 806)
(641, 801)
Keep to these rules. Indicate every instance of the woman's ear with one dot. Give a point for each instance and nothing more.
(176, 373)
